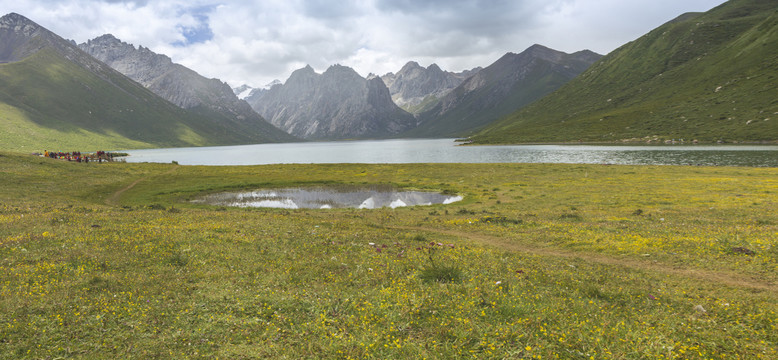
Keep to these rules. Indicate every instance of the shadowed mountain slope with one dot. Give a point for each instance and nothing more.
(510, 83)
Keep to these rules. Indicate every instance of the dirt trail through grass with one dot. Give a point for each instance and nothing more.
(732, 280)
(114, 198)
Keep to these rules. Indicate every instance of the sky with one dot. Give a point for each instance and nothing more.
(256, 41)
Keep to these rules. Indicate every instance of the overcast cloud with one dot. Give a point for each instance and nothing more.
(255, 42)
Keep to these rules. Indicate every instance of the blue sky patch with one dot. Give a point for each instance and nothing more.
(199, 33)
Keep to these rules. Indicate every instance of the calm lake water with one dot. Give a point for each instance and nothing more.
(448, 151)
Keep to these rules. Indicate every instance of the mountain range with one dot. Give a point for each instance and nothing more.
(706, 77)
(341, 104)
(54, 95)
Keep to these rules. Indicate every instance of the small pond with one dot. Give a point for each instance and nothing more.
(328, 198)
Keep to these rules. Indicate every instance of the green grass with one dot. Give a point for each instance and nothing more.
(538, 261)
(18, 132)
(709, 77)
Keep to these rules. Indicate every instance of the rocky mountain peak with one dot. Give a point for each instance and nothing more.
(434, 68)
(19, 24)
(587, 55)
(243, 91)
(307, 70)
(537, 47)
(342, 73)
(15, 34)
(337, 104)
(247, 92)
(106, 39)
(415, 84)
(340, 68)
(543, 52)
(304, 75)
(272, 83)
(21, 37)
(410, 66)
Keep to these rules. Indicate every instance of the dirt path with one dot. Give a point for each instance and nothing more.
(733, 280)
(113, 200)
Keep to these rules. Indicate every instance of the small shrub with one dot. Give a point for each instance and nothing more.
(574, 217)
(419, 237)
(743, 250)
(178, 259)
(59, 220)
(97, 284)
(501, 220)
(441, 274)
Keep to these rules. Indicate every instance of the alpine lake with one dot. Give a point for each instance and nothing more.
(409, 151)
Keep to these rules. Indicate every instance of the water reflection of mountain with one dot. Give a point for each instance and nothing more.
(327, 198)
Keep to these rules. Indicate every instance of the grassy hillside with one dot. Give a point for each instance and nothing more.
(51, 103)
(708, 77)
(539, 261)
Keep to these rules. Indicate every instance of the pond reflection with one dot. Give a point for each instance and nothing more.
(328, 198)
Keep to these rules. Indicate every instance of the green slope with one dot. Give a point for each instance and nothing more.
(49, 102)
(707, 77)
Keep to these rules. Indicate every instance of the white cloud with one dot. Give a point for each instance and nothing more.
(257, 41)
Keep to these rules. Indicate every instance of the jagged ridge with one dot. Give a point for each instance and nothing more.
(337, 104)
(415, 84)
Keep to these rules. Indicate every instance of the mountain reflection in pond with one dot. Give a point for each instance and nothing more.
(328, 198)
